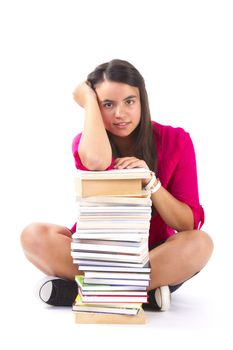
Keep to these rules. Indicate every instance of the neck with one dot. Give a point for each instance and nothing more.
(125, 144)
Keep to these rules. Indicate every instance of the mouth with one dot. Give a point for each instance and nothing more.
(121, 125)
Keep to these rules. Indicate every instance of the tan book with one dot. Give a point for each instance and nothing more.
(141, 200)
(91, 317)
(126, 182)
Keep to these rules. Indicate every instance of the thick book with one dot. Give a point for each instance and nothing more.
(123, 182)
(100, 318)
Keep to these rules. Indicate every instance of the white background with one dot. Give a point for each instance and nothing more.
(184, 51)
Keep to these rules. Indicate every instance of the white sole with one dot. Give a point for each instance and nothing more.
(163, 298)
(43, 288)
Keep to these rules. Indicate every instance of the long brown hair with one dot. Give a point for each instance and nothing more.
(124, 72)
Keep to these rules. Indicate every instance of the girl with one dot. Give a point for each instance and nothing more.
(119, 133)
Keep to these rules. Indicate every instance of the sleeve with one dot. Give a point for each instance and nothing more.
(184, 183)
(77, 159)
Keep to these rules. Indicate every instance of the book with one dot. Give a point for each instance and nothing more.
(110, 242)
(119, 308)
(113, 217)
(117, 282)
(114, 201)
(109, 224)
(123, 182)
(112, 248)
(122, 209)
(97, 287)
(119, 174)
(117, 275)
(93, 262)
(114, 268)
(142, 293)
(134, 258)
(128, 238)
(113, 298)
(100, 318)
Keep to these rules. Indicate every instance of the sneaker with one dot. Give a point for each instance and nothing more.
(57, 291)
(159, 299)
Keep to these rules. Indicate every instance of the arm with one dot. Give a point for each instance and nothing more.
(175, 213)
(94, 148)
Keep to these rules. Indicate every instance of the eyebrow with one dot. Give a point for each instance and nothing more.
(126, 98)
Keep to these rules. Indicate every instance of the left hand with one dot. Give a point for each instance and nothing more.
(129, 163)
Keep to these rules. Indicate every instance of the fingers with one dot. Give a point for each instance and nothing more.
(82, 92)
(129, 163)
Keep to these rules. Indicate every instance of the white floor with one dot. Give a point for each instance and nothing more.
(200, 316)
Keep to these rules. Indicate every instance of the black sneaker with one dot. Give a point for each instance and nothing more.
(57, 291)
(158, 299)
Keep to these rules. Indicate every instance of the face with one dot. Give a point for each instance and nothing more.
(120, 107)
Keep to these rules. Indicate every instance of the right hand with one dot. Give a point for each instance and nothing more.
(83, 92)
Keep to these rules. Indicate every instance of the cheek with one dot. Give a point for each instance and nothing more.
(106, 119)
(137, 116)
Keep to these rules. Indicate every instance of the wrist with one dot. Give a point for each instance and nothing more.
(153, 185)
(156, 186)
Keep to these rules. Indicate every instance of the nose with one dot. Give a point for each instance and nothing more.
(119, 112)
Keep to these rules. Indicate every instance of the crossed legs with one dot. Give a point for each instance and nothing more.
(47, 246)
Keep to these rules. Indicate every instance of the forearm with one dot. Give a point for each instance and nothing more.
(94, 148)
(174, 213)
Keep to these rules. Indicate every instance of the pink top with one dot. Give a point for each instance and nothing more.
(176, 169)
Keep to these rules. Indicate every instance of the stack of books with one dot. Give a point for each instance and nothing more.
(110, 246)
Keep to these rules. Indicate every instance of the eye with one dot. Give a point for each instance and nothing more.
(129, 101)
(107, 105)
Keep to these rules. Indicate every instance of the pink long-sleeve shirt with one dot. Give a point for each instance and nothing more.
(176, 169)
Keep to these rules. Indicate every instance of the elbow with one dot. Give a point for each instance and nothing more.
(95, 164)
(187, 225)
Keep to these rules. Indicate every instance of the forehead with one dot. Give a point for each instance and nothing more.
(111, 90)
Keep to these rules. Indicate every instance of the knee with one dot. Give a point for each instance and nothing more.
(202, 243)
(206, 241)
(32, 237)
